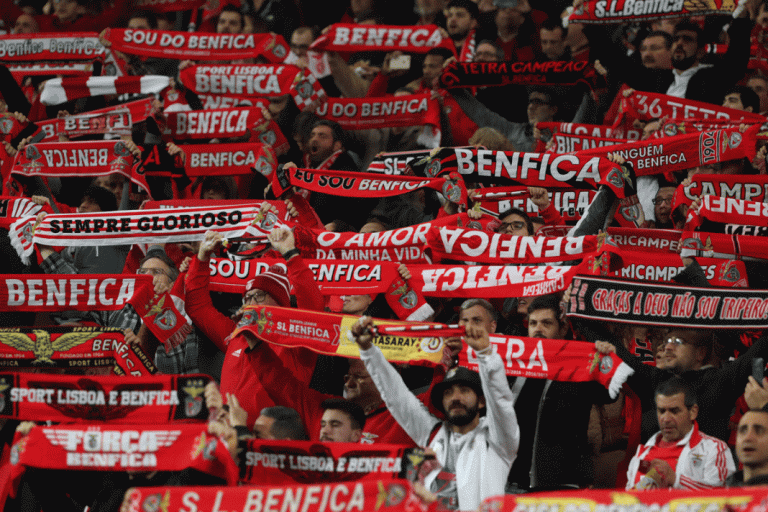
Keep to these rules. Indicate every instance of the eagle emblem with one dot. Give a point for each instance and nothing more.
(42, 346)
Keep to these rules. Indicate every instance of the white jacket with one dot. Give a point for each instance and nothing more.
(704, 463)
(483, 463)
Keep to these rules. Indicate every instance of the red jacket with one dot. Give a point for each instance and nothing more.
(241, 374)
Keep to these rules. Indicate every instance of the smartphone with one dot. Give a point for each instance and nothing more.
(758, 369)
(401, 62)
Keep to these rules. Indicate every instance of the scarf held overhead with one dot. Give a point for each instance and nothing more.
(156, 399)
(622, 11)
(482, 74)
(348, 37)
(129, 227)
(241, 80)
(61, 90)
(82, 292)
(668, 305)
(385, 112)
(164, 44)
(56, 46)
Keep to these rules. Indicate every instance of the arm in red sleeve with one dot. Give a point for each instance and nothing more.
(199, 306)
(307, 215)
(378, 86)
(551, 216)
(308, 295)
(284, 388)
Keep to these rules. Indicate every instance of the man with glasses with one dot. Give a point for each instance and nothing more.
(515, 222)
(687, 353)
(241, 374)
(662, 208)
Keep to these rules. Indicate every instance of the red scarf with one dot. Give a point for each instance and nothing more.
(382, 496)
(83, 292)
(646, 240)
(61, 90)
(532, 169)
(672, 127)
(163, 314)
(169, 5)
(592, 130)
(157, 399)
(304, 462)
(348, 37)
(240, 80)
(22, 70)
(728, 210)
(649, 105)
(697, 243)
(228, 159)
(621, 11)
(396, 162)
(139, 111)
(91, 158)
(479, 246)
(657, 156)
(71, 347)
(566, 143)
(569, 203)
(215, 123)
(58, 46)
(116, 122)
(164, 44)
(126, 448)
(740, 186)
(389, 111)
(561, 360)
(362, 184)
(467, 53)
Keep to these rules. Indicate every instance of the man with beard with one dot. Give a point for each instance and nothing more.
(342, 421)
(690, 78)
(477, 442)
(325, 150)
(460, 23)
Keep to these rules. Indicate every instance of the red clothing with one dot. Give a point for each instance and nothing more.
(240, 373)
(285, 388)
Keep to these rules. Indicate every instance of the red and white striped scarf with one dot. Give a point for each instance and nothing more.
(139, 111)
(63, 46)
(129, 227)
(61, 90)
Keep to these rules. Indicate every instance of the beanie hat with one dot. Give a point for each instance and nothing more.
(275, 282)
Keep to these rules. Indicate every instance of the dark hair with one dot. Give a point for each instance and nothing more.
(470, 303)
(693, 27)
(445, 53)
(158, 252)
(287, 423)
(355, 412)
(668, 40)
(552, 97)
(469, 5)
(101, 196)
(551, 302)
(232, 8)
(521, 213)
(337, 132)
(674, 386)
(496, 47)
(145, 15)
(553, 24)
(749, 98)
(222, 184)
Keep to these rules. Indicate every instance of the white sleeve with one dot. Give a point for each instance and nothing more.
(499, 404)
(407, 410)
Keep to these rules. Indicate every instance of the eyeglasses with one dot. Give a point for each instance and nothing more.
(152, 271)
(515, 224)
(357, 377)
(257, 296)
(662, 200)
(538, 102)
(675, 341)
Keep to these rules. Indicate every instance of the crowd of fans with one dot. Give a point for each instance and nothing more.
(690, 403)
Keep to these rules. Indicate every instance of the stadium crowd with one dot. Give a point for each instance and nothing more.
(566, 198)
